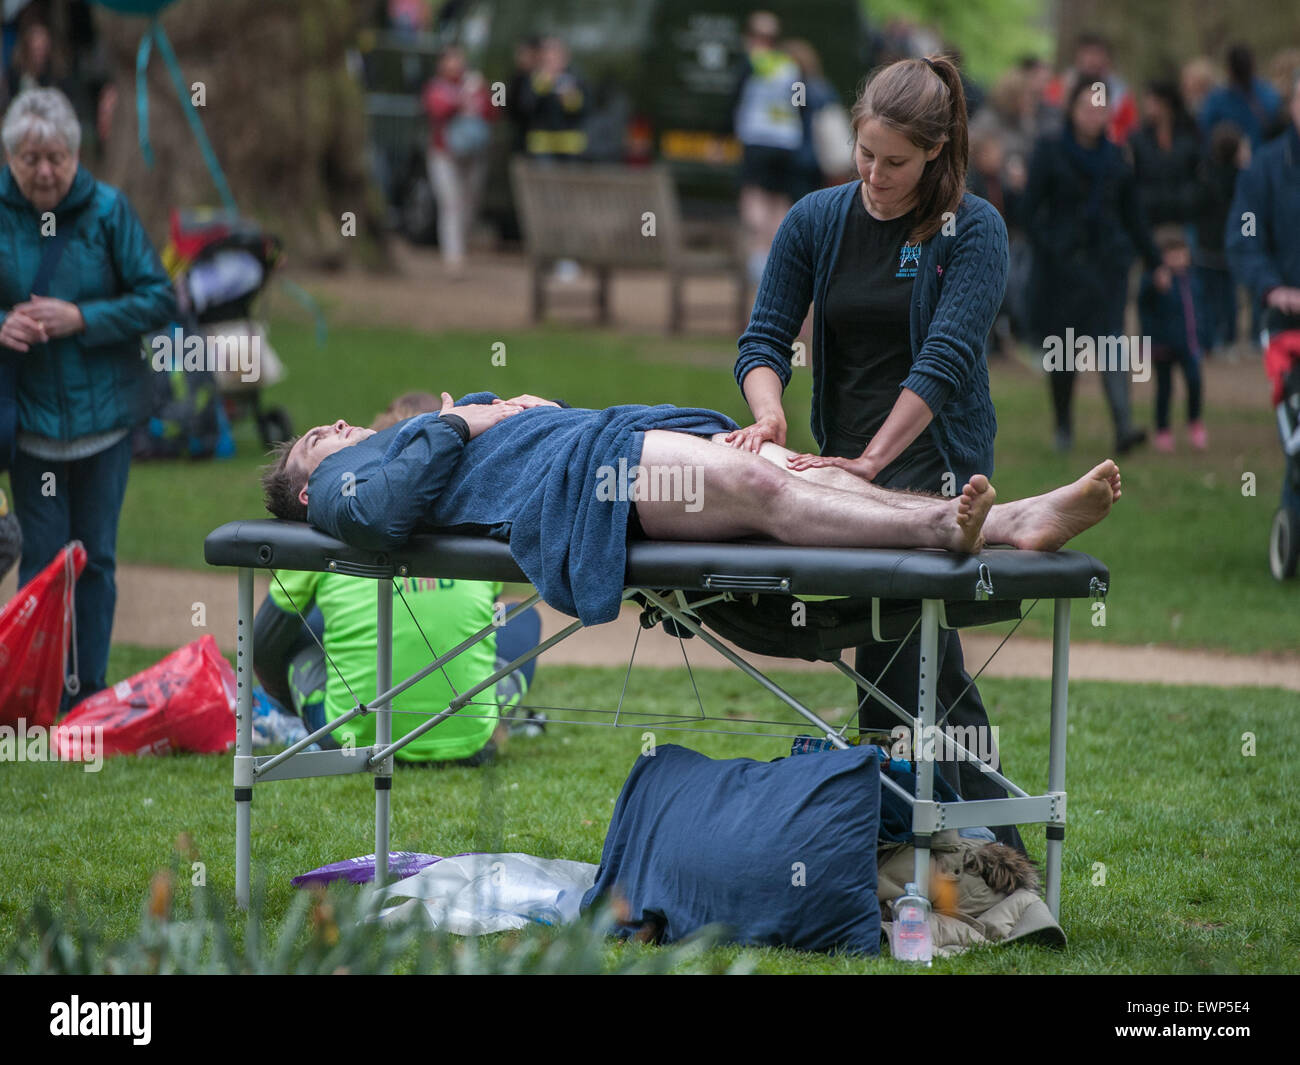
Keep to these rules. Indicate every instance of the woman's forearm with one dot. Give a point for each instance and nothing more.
(905, 423)
(762, 388)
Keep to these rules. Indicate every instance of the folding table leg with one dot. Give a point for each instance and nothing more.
(1056, 749)
(927, 685)
(244, 740)
(383, 725)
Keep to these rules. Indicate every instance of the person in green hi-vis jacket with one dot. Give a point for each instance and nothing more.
(292, 669)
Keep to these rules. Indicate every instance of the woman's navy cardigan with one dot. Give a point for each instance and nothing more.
(959, 286)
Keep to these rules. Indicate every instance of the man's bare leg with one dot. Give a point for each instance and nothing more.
(744, 495)
(834, 477)
(1038, 523)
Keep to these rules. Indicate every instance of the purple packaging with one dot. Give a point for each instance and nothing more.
(401, 864)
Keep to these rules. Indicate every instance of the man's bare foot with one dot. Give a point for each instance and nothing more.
(1048, 522)
(973, 506)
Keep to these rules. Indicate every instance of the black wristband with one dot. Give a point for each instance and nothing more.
(459, 424)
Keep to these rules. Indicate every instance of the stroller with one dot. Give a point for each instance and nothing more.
(220, 262)
(1282, 364)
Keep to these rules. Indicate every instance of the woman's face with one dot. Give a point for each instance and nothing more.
(1090, 119)
(1155, 109)
(43, 171)
(890, 165)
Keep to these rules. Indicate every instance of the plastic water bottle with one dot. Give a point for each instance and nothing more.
(912, 926)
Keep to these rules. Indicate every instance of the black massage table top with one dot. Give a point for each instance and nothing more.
(887, 573)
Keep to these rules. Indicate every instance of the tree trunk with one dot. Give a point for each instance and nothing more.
(284, 116)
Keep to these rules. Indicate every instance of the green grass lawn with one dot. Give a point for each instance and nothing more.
(1186, 548)
(1195, 838)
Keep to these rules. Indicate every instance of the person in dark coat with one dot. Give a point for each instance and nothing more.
(1166, 158)
(1263, 228)
(1248, 102)
(1227, 155)
(554, 103)
(1084, 216)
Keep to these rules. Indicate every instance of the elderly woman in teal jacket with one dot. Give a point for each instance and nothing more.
(79, 284)
(905, 272)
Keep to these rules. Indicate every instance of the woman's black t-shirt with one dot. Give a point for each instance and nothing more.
(868, 342)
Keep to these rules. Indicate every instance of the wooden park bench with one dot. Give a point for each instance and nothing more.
(611, 217)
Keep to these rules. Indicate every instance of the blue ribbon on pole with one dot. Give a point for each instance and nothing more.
(305, 300)
(156, 33)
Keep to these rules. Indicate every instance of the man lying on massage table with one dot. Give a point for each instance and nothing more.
(558, 483)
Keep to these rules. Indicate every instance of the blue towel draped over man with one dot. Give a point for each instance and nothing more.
(530, 480)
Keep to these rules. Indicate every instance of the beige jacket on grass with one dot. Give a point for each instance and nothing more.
(981, 916)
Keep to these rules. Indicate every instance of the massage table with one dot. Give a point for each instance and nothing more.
(678, 585)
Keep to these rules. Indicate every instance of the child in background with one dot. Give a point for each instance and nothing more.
(1169, 318)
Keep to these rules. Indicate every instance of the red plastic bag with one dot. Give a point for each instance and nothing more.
(186, 702)
(34, 629)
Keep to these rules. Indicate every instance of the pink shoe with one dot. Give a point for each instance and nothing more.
(1196, 433)
(1164, 441)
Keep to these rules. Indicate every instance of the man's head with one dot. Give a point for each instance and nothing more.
(553, 56)
(1092, 57)
(762, 31)
(284, 482)
(1241, 66)
(407, 405)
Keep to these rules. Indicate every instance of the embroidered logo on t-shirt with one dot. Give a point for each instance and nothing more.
(909, 258)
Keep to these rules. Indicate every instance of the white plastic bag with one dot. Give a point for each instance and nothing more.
(474, 894)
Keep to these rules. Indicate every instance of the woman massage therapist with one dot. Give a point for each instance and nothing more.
(906, 271)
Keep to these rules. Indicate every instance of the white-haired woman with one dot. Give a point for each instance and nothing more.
(79, 283)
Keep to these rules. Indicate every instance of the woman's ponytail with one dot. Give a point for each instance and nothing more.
(925, 101)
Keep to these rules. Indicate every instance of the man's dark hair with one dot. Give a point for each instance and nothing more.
(282, 482)
(1225, 142)
(1167, 91)
(1241, 66)
(1091, 40)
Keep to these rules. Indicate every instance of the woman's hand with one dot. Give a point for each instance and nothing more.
(479, 416)
(20, 330)
(59, 317)
(753, 437)
(860, 467)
